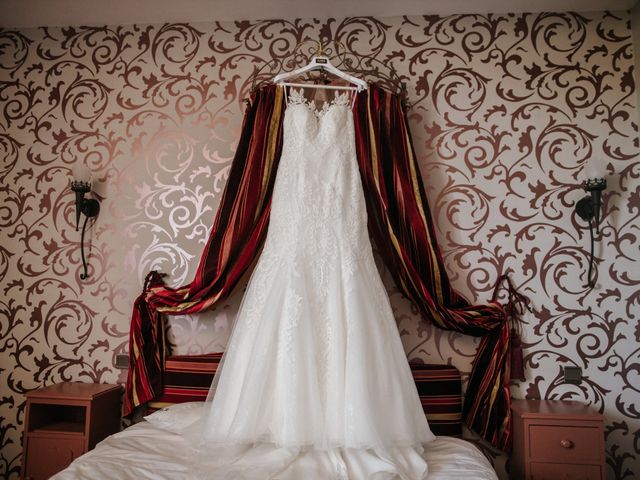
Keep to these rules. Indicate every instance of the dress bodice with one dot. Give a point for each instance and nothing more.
(318, 193)
(318, 127)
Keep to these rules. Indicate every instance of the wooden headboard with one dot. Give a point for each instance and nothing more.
(187, 379)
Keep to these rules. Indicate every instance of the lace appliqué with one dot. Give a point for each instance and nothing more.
(340, 99)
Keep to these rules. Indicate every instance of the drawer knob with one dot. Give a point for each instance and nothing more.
(566, 443)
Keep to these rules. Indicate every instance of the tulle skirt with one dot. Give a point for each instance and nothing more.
(314, 383)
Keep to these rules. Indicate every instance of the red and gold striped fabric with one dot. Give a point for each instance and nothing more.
(440, 391)
(235, 239)
(400, 222)
(187, 379)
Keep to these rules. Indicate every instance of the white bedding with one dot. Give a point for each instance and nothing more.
(145, 451)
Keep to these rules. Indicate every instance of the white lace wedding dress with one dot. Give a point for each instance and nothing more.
(315, 383)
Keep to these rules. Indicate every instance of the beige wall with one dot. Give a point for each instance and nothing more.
(506, 110)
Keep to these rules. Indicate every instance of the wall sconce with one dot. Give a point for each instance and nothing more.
(588, 208)
(89, 207)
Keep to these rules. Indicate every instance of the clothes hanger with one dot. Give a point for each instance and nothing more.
(320, 62)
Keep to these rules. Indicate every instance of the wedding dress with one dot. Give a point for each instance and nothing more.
(315, 383)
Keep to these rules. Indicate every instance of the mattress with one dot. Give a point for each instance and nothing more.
(146, 452)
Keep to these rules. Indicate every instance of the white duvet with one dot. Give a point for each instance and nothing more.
(145, 451)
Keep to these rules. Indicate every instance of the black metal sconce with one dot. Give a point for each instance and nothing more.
(588, 209)
(88, 207)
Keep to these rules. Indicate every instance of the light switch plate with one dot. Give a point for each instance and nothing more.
(572, 375)
(122, 361)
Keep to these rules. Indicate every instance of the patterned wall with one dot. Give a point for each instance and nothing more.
(506, 111)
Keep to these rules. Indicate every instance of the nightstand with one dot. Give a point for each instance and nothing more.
(556, 440)
(63, 421)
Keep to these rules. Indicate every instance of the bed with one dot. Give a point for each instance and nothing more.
(147, 451)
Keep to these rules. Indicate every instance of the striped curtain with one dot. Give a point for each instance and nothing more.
(235, 239)
(399, 221)
(401, 225)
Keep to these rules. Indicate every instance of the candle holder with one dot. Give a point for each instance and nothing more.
(89, 207)
(588, 209)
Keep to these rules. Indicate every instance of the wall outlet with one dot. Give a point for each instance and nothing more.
(122, 361)
(572, 375)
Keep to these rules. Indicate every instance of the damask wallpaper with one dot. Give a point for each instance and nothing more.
(505, 112)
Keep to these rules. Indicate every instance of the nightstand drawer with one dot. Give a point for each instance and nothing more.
(555, 471)
(49, 455)
(565, 444)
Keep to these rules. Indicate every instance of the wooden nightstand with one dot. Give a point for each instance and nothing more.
(556, 440)
(65, 420)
